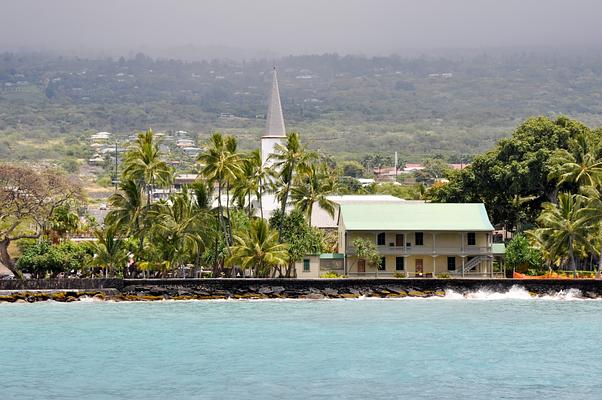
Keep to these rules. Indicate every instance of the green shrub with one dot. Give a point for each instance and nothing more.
(44, 258)
(399, 275)
(522, 257)
(331, 275)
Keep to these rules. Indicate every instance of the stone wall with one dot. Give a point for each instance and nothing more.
(187, 289)
(58, 284)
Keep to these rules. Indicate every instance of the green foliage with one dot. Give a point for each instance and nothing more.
(300, 237)
(258, 249)
(352, 169)
(348, 185)
(331, 275)
(70, 165)
(565, 228)
(347, 107)
(520, 256)
(110, 253)
(433, 169)
(44, 259)
(512, 179)
(366, 250)
(313, 186)
(414, 192)
(63, 220)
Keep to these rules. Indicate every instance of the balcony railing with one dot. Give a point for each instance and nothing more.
(427, 250)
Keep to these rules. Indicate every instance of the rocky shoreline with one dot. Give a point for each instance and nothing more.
(246, 289)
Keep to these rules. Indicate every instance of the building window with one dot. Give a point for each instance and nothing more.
(380, 239)
(451, 263)
(383, 264)
(306, 265)
(400, 263)
(419, 238)
(471, 238)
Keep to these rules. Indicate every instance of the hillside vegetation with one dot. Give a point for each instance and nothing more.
(341, 105)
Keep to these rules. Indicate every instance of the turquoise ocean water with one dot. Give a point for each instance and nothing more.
(506, 348)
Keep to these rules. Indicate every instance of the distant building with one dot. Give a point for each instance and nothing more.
(100, 136)
(275, 132)
(418, 239)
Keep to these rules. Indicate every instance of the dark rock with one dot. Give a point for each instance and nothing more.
(277, 289)
(395, 290)
(157, 291)
(265, 290)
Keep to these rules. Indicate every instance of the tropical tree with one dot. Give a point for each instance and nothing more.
(109, 252)
(64, 220)
(580, 164)
(258, 249)
(128, 213)
(142, 163)
(178, 227)
(366, 250)
(252, 182)
(289, 159)
(313, 187)
(521, 165)
(301, 238)
(28, 199)
(222, 165)
(593, 199)
(520, 256)
(566, 226)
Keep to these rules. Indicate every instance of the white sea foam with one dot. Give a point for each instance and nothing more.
(516, 292)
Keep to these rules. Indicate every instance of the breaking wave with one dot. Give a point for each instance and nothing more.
(515, 293)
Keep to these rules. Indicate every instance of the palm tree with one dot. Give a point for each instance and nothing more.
(178, 226)
(593, 198)
(313, 186)
(253, 181)
(289, 159)
(566, 225)
(143, 163)
(581, 164)
(109, 252)
(219, 164)
(258, 248)
(128, 211)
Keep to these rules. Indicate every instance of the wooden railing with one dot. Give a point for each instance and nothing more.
(427, 250)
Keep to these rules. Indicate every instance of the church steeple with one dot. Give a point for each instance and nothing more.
(275, 120)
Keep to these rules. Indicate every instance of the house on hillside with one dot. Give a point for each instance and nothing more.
(419, 239)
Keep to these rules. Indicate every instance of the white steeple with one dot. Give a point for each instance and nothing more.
(275, 132)
(275, 120)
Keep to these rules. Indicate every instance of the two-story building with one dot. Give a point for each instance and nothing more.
(418, 239)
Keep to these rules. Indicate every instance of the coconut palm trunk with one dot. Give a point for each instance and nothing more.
(599, 263)
(285, 198)
(572, 257)
(261, 197)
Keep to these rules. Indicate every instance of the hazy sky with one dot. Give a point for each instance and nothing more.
(295, 26)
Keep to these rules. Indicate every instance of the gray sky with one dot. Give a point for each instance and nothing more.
(255, 27)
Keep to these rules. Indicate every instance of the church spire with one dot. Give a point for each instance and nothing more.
(275, 120)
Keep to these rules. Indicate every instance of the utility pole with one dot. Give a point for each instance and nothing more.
(396, 166)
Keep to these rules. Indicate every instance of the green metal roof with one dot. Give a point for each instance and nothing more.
(498, 248)
(332, 256)
(415, 216)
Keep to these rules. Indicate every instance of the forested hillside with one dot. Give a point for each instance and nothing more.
(341, 105)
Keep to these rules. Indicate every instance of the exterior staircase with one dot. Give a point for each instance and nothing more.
(470, 265)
